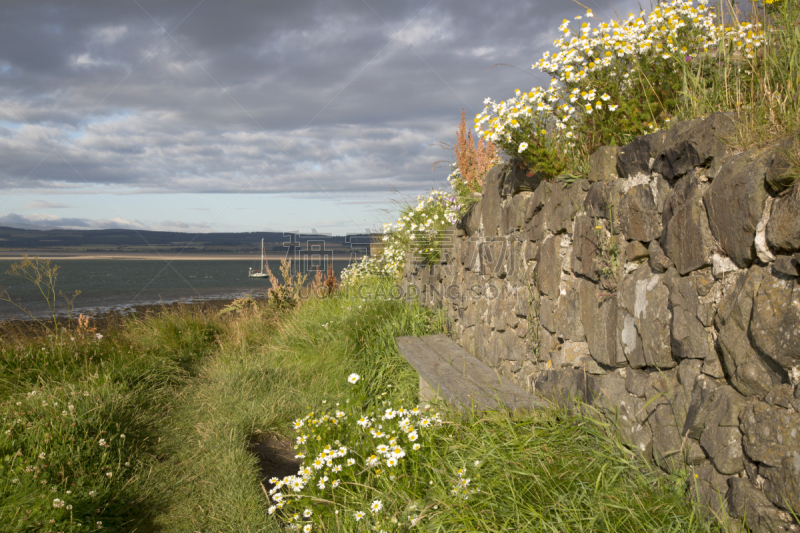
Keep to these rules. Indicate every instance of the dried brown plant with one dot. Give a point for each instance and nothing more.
(325, 285)
(285, 295)
(473, 161)
(83, 325)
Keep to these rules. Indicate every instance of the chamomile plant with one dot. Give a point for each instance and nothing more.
(365, 467)
(611, 81)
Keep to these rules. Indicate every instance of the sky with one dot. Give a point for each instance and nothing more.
(252, 115)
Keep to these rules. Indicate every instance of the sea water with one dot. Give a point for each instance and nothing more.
(107, 285)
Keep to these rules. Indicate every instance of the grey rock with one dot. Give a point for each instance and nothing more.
(660, 389)
(781, 396)
(706, 403)
(770, 433)
(705, 313)
(782, 484)
(783, 228)
(709, 489)
(540, 198)
(570, 355)
(629, 345)
(548, 267)
(652, 317)
(469, 254)
(547, 314)
(603, 164)
(497, 319)
(667, 443)
(515, 264)
(522, 329)
(735, 202)
(694, 143)
(508, 218)
(775, 324)
(747, 370)
(779, 179)
(771, 438)
(632, 426)
(585, 248)
(608, 393)
(724, 447)
(694, 454)
(687, 238)
(547, 343)
(747, 502)
(703, 282)
(564, 386)
(531, 251)
(522, 303)
(521, 202)
(688, 372)
(786, 265)
(659, 262)
(482, 337)
(494, 258)
(639, 218)
(518, 178)
(565, 201)
(737, 302)
(491, 200)
(602, 198)
(635, 157)
(514, 348)
(636, 251)
(567, 318)
(689, 337)
(726, 406)
(632, 319)
(471, 223)
(635, 381)
(599, 316)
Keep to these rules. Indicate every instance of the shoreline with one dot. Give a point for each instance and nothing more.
(16, 327)
(17, 256)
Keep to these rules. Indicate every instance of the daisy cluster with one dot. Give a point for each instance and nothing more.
(462, 487)
(368, 266)
(420, 230)
(594, 66)
(455, 204)
(344, 449)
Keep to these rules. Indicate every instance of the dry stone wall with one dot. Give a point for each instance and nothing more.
(663, 289)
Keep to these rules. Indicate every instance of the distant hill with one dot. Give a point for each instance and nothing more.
(136, 241)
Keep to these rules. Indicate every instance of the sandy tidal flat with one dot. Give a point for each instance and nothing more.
(59, 256)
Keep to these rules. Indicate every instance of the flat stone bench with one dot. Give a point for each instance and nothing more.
(448, 371)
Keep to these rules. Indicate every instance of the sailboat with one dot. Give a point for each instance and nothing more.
(259, 273)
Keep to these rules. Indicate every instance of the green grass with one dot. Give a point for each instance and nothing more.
(191, 391)
(764, 91)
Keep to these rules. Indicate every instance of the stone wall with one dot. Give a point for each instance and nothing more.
(663, 290)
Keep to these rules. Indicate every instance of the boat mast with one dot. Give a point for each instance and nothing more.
(262, 256)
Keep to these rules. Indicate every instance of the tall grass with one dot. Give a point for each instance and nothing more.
(764, 90)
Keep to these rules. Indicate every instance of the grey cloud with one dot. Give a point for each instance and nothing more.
(328, 94)
(44, 204)
(43, 222)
